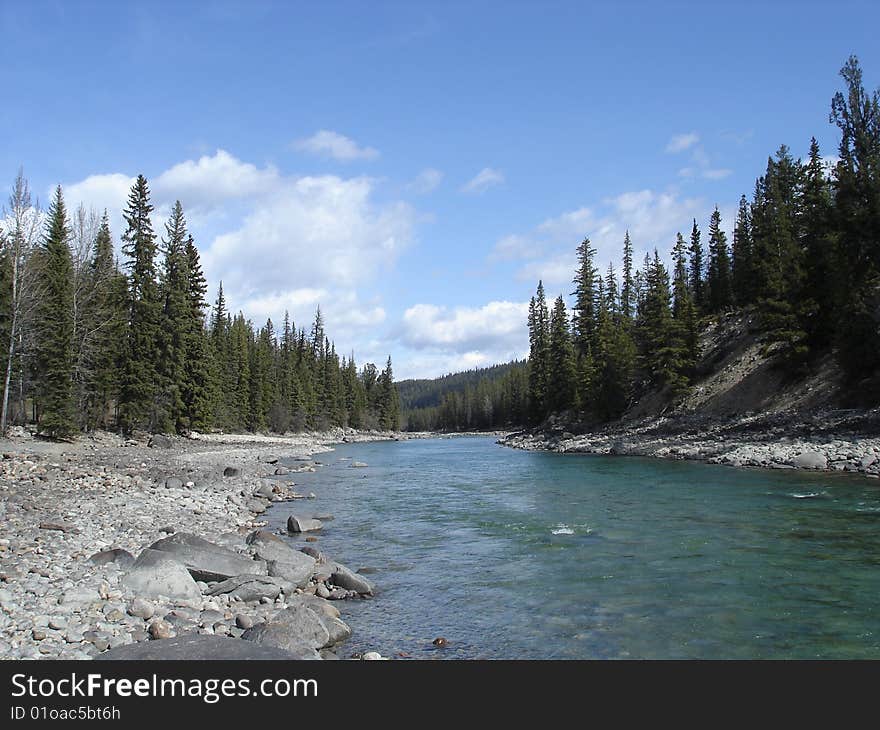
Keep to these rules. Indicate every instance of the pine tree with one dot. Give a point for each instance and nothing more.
(821, 285)
(197, 384)
(562, 385)
(661, 351)
(684, 314)
(137, 399)
(857, 219)
(389, 404)
(584, 316)
(539, 355)
(696, 271)
(718, 280)
(55, 326)
(743, 273)
(627, 293)
(105, 321)
(175, 326)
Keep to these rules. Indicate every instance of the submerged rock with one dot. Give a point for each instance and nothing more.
(297, 524)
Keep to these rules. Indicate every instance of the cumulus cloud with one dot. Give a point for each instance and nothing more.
(494, 326)
(652, 219)
(426, 181)
(681, 142)
(327, 143)
(482, 181)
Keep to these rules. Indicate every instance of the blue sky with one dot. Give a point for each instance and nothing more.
(414, 168)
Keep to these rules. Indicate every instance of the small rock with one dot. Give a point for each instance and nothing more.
(161, 630)
(231, 471)
(141, 609)
(173, 483)
(243, 621)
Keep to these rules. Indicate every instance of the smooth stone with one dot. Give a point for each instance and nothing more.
(249, 587)
(345, 578)
(141, 609)
(296, 524)
(114, 555)
(243, 621)
(205, 560)
(159, 441)
(173, 483)
(160, 629)
(292, 629)
(156, 573)
(231, 471)
(810, 460)
(198, 647)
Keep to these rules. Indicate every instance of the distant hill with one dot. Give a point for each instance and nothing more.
(481, 398)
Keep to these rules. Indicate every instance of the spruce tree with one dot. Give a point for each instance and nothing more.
(54, 359)
(821, 284)
(389, 404)
(175, 326)
(627, 293)
(584, 316)
(857, 219)
(742, 263)
(137, 398)
(562, 382)
(718, 280)
(106, 322)
(198, 385)
(539, 355)
(696, 272)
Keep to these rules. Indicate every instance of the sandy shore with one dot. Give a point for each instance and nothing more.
(75, 515)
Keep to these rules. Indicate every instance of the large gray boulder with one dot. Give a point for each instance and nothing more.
(348, 579)
(282, 560)
(205, 560)
(251, 587)
(156, 573)
(199, 647)
(810, 460)
(296, 629)
(297, 524)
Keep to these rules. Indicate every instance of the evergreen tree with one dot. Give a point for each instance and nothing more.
(539, 355)
(562, 383)
(821, 285)
(584, 317)
(857, 219)
(627, 293)
(743, 273)
(389, 404)
(718, 279)
(196, 391)
(696, 272)
(175, 326)
(105, 321)
(684, 314)
(55, 326)
(137, 399)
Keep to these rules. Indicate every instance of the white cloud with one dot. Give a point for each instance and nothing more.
(426, 181)
(496, 327)
(652, 218)
(212, 180)
(327, 143)
(716, 174)
(482, 181)
(681, 142)
(102, 192)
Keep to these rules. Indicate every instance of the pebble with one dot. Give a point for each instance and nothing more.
(161, 630)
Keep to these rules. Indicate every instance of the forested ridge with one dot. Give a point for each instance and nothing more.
(87, 343)
(804, 261)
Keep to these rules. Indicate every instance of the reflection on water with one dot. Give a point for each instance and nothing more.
(510, 554)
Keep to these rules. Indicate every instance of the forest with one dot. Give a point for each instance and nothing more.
(90, 343)
(804, 259)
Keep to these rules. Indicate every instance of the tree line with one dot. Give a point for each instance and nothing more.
(805, 258)
(478, 399)
(87, 343)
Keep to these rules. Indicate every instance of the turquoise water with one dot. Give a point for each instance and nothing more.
(511, 554)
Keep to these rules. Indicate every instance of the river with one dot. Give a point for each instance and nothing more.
(523, 555)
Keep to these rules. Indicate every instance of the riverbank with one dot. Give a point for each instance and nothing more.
(836, 441)
(108, 543)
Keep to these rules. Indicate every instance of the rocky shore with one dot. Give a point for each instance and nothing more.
(838, 441)
(154, 548)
